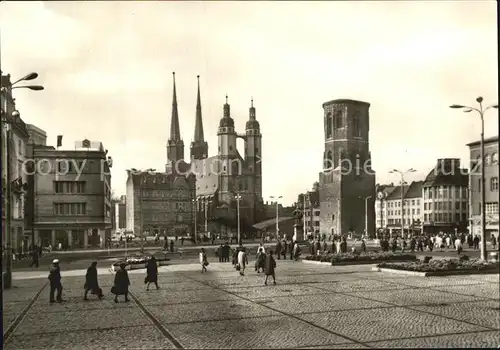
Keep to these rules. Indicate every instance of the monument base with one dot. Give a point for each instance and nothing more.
(298, 233)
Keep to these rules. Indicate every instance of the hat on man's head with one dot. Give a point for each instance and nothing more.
(55, 261)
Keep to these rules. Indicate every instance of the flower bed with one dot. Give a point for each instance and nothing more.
(139, 261)
(371, 257)
(444, 266)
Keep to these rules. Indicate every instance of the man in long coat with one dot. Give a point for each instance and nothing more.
(91, 282)
(269, 267)
(278, 249)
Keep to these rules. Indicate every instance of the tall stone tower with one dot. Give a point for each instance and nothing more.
(229, 161)
(199, 147)
(347, 178)
(253, 151)
(175, 145)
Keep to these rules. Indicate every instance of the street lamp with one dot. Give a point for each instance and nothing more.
(7, 120)
(149, 171)
(195, 211)
(366, 213)
(277, 213)
(238, 198)
(480, 111)
(402, 174)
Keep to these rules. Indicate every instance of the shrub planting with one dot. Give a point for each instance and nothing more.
(449, 264)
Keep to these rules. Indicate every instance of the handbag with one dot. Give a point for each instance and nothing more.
(205, 263)
(238, 267)
(146, 280)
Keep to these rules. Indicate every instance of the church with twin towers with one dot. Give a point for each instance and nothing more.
(227, 176)
(204, 189)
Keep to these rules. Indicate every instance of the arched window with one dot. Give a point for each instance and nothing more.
(339, 119)
(328, 162)
(329, 126)
(494, 158)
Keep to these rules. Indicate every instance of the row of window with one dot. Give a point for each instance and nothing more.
(445, 192)
(397, 204)
(405, 212)
(445, 217)
(445, 206)
(69, 187)
(338, 122)
(316, 213)
(493, 184)
(308, 223)
(398, 222)
(490, 208)
(70, 208)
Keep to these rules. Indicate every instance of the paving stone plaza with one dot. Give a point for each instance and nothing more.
(312, 306)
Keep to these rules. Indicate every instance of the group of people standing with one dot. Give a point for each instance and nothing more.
(287, 248)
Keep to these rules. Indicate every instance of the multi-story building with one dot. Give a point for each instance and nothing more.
(71, 193)
(37, 135)
(407, 207)
(14, 139)
(160, 203)
(308, 204)
(491, 185)
(121, 210)
(381, 210)
(445, 197)
(347, 178)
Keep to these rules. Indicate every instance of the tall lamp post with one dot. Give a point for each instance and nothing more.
(141, 200)
(238, 198)
(195, 214)
(277, 213)
(402, 174)
(480, 111)
(366, 212)
(7, 135)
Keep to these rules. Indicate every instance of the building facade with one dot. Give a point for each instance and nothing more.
(406, 209)
(381, 207)
(491, 185)
(445, 197)
(308, 204)
(160, 203)
(71, 194)
(347, 178)
(14, 139)
(121, 210)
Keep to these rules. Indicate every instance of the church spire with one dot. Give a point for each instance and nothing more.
(199, 148)
(175, 133)
(198, 128)
(175, 145)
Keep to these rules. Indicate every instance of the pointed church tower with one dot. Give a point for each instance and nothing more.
(175, 145)
(199, 148)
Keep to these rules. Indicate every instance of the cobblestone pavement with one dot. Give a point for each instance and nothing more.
(312, 306)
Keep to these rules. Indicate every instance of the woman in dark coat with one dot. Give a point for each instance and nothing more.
(121, 284)
(91, 283)
(151, 273)
(269, 267)
(260, 260)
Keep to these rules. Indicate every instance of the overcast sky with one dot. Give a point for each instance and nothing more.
(106, 68)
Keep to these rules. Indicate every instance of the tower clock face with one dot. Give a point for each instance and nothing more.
(380, 195)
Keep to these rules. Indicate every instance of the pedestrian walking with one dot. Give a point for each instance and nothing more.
(363, 245)
(151, 273)
(284, 247)
(242, 261)
(290, 248)
(296, 251)
(55, 282)
(220, 253)
(260, 260)
(458, 246)
(476, 242)
(269, 267)
(493, 242)
(226, 251)
(203, 260)
(91, 282)
(121, 283)
(36, 257)
(278, 248)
